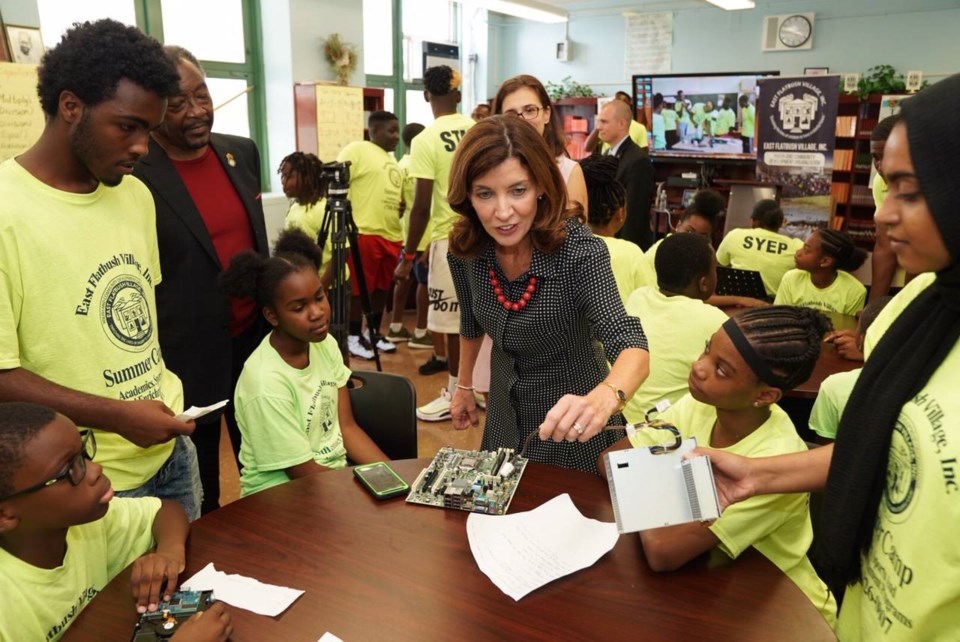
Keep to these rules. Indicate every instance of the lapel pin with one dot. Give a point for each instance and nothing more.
(231, 161)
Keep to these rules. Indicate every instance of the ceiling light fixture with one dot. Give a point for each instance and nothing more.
(733, 5)
(526, 9)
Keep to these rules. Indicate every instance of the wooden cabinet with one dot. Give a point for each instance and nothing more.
(853, 205)
(577, 117)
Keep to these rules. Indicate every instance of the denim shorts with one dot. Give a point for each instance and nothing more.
(178, 479)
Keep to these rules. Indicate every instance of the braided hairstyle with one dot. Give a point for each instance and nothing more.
(604, 192)
(19, 424)
(253, 275)
(840, 247)
(313, 185)
(787, 338)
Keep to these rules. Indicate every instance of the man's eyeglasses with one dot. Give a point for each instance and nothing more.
(528, 112)
(75, 471)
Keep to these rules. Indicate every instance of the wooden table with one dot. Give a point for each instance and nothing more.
(387, 570)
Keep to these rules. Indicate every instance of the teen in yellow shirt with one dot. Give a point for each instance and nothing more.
(761, 248)
(822, 279)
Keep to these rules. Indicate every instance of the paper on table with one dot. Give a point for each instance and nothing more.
(329, 637)
(524, 551)
(243, 592)
(195, 412)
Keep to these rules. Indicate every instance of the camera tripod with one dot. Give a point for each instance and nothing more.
(338, 214)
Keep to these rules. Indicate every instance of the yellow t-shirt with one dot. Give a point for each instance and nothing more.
(309, 220)
(77, 304)
(748, 119)
(41, 603)
(830, 402)
(677, 328)
(726, 120)
(375, 184)
(289, 416)
(409, 189)
(911, 576)
(879, 189)
(769, 253)
(776, 525)
(649, 262)
(431, 157)
(637, 133)
(845, 295)
(626, 261)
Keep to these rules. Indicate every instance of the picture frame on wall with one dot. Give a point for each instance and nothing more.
(24, 44)
(816, 71)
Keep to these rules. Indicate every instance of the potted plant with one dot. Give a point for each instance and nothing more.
(568, 88)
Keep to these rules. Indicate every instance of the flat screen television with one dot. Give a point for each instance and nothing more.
(707, 106)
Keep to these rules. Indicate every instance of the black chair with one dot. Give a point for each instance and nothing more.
(734, 282)
(385, 407)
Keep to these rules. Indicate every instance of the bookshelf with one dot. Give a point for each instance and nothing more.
(853, 205)
(577, 117)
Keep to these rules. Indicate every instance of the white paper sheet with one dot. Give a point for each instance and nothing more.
(329, 637)
(243, 592)
(524, 551)
(195, 412)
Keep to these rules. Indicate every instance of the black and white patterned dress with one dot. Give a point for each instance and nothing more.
(558, 344)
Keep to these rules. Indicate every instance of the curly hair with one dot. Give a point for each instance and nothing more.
(707, 203)
(313, 185)
(253, 275)
(19, 424)
(787, 338)
(604, 192)
(93, 57)
(486, 145)
(553, 132)
(441, 80)
(681, 259)
(767, 214)
(840, 247)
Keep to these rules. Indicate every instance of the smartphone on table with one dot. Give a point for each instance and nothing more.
(381, 480)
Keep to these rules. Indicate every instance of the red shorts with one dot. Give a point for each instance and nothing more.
(379, 257)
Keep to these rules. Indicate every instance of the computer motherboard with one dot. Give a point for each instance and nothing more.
(477, 481)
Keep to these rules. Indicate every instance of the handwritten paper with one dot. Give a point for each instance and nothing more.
(648, 43)
(339, 119)
(195, 412)
(524, 551)
(243, 592)
(21, 118)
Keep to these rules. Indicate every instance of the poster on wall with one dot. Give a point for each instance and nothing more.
(796, 126)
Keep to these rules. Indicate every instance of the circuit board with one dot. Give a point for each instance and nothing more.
(170, 614)
(477, 481)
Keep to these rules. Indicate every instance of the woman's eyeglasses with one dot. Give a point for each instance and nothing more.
(76, 468)
(528, 112)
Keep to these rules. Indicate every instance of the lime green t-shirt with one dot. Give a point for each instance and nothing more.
(309, 220)
(431, 157)
(748, 120)
(911, 576)
(41, 603)
(77, 304)
(677, 328)
(375, 185)
(626, 261)
(669, 119)
(776, 525)
(726, 120)
(845, 295)
(409, 189)
(649, 262)
(769, 253)
(879, 190)
(830, 402)
(289, 416)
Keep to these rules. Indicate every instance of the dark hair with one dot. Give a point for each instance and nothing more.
(743, 99)
(767, 214)
(681, 259)
(657, 100)
(19, 423)
(707, 203)
(487, 144)
(178, 53)
(439, 80)
(411, 131)
(840, 246)
(870, 313)
(381, 118)
(553, 131)
(881, 131)
(92, 58)
(786, 337)
(313, 185)
(604, 192)
(253, 275)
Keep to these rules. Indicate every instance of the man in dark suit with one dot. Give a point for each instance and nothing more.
(207, 191)
(635, 171)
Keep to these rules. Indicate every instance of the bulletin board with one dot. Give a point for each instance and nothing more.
(21, 118)
(339, 119)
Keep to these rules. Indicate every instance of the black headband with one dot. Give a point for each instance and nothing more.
(754, 360)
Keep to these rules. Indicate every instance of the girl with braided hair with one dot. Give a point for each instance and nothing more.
(291, 400)
(822, 279)
(746, 367)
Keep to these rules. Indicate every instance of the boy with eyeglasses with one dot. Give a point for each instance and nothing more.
(62, 539)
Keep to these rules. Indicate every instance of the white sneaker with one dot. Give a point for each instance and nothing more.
(383, 345)
(359, 348)
(436, 410)
(481, 401)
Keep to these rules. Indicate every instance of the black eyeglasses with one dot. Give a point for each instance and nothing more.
(527, 112)
(76, 468)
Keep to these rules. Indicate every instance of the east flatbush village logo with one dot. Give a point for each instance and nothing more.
(125, 313)
(797, 110)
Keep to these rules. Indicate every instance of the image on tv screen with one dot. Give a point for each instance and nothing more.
(710, 115)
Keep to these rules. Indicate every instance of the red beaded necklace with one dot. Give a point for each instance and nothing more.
(507, 304)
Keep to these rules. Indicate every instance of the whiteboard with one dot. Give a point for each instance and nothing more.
(21, 119)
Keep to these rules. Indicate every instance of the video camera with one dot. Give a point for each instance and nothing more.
(338, 175)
